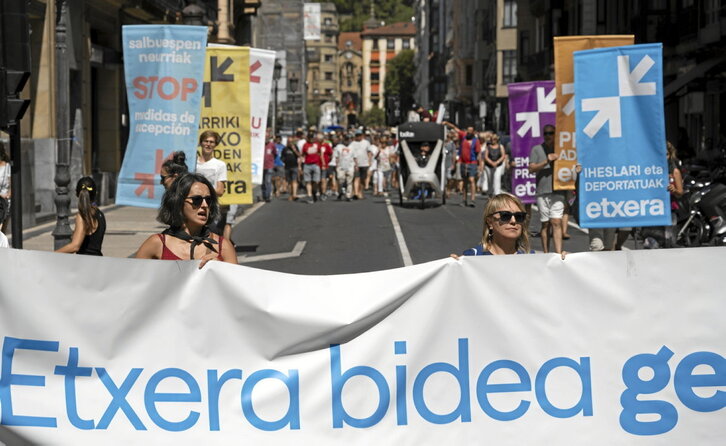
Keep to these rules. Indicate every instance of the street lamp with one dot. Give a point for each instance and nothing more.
(275, 77)
(292, 84)
(62, 231)
(192, 15)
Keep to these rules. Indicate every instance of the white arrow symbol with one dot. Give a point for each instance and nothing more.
(608, 109)
(546, 103)
(531, 122)
(570, 106)
(629, 82)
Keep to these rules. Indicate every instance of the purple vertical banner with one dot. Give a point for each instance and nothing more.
(531, 107)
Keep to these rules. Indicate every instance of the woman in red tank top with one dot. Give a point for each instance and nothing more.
(187, 207)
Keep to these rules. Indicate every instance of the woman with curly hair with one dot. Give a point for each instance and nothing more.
(173, 167)
(188, 207)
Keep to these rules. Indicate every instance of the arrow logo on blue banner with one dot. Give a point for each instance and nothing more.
(545, 104)
(608, 108)
(629, 82)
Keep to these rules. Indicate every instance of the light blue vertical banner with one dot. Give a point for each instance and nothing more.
(620, 133)
(164, 67)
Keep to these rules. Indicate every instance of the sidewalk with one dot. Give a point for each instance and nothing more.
(126, 229)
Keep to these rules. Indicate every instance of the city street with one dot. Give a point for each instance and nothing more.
(359, 236)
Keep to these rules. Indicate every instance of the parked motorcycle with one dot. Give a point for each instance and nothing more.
(706, 222)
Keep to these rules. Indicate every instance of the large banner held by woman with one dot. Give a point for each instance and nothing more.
(621, 137)
(163, 66)
(531, 107)
(564, 176)
(605, 348)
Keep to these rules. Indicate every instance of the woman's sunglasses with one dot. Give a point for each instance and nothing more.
(197, 200)
(506, 216)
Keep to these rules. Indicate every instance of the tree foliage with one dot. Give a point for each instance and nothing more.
(375, 117)
(389, 11)
(400, 78)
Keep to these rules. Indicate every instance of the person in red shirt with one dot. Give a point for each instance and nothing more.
(326, 153)
(468, 161)
(313, 164)
(268, 169)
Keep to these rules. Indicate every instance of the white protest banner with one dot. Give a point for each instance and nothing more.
(600, 348)
(262, 64)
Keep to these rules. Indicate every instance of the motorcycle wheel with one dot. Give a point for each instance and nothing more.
(693, 234)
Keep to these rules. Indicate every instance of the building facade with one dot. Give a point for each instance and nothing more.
(693, 34)
(350, 76)
(381, 44)
(97, 109)
(278, 26)
(322, 63)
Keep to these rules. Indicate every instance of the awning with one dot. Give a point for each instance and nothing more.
(693, 74)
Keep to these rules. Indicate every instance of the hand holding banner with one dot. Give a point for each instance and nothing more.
(621, 137)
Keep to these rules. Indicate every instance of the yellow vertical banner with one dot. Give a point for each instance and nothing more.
(226, 110)
(565, 85)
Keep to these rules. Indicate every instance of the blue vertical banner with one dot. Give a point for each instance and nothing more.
(164, 65)
(620, 133)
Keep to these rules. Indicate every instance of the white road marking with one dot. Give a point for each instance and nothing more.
(405, 255)
(296, 252)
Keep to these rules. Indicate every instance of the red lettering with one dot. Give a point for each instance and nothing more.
(140, 87)
(254, 67)
(256, 122)
(175, 85)
(189, 85)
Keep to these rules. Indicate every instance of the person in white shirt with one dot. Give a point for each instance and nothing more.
(213, 170)
(363, 160)
(345, 167)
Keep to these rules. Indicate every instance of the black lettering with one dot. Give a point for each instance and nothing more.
(207, 94)
(218, 71)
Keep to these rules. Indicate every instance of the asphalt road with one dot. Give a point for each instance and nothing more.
(359, 236)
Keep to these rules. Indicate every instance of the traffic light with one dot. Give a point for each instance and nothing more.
(393, 110)
(14, 61)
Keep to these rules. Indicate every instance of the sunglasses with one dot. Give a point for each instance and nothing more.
(549, 133)
(506, 216)
(197, 200)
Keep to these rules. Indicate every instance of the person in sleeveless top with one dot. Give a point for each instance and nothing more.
(90, 222)
(188, 207)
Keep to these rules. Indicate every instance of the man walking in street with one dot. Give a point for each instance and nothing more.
(345, 161)
(362, 154)
(551, 203)
(468, 162)
(312, 167)
(290, 156)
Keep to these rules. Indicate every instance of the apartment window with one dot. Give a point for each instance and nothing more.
(510, 13)
(328, 57)
(406, 44)
(327, 21)
(375, 77)
(711, 10)
(523, 45)
(375, 44)
(328, 76)
(328, 38)
(390, 44)
(329, 91)
(469, 75)
(509, 66)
